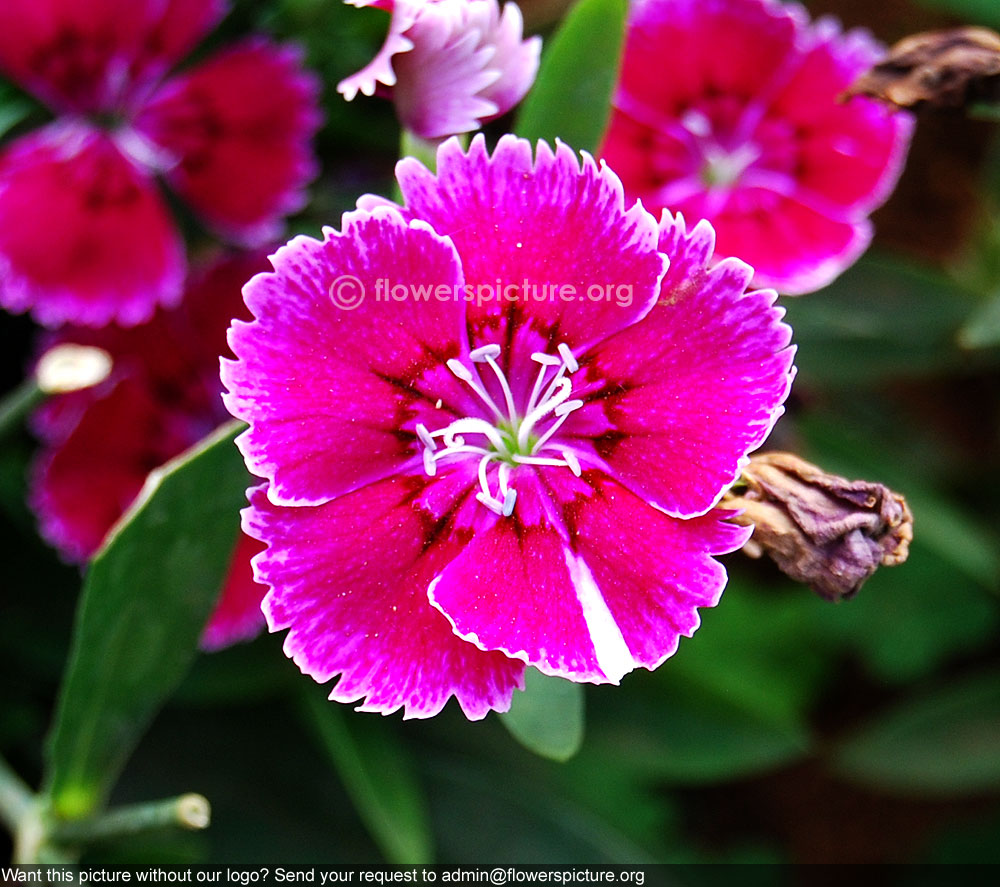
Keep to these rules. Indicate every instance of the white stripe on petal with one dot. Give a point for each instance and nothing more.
(612, 652)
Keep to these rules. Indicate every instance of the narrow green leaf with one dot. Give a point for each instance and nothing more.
(14, 107)
(379, 777)
(547, 718)
(942, 743)
(883, 319)
(146, 597)
(690, 742)
(981, 12)
(571, 98)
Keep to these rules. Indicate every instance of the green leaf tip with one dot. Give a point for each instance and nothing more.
(548, 717)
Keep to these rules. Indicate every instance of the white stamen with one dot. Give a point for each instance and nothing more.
(504, 386)
(430, 464)
(498, 446)
(542, 410)
(471, 425)
(459, 369)
(571, 461)
(545, 359)
(567, 357)
(481, 355)
(425, 436)
(462, 372)
(494, 505)
(483, 479)
(538, 460)
(561, 411)
(565, 408)
(503, 477)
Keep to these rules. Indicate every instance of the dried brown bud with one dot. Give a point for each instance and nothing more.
(953, 68)
(820, 529)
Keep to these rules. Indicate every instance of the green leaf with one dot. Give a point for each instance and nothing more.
(688, 739)
(883, 319)
(946, 742)
(14, 107)
(982, 330)
(547, 718)
(499, 810)
(940, 524)
(376, 771)
(571, 98)
(912, 618)
(769, 675)
(146, 597)
(982, 12)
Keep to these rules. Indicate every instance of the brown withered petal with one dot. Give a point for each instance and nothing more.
(952, 68)
(823, 530)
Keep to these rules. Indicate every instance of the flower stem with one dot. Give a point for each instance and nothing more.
(61, 369)
(425, 150)
(188, 811)
(15, 797)
(16, 405)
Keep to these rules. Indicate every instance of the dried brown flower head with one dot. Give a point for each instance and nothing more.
(823, 530)
(955, 68)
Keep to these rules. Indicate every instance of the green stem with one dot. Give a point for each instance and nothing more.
(425, 150)
(15, 798)
(16, 405)
(187, 811)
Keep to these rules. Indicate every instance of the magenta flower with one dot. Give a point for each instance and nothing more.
(745, 129)
(163, 396)
(449, 65)
(85, 236)
(506, 453)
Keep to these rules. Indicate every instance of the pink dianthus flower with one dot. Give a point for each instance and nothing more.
(509, 450)
(163, 396)
(85, 235)
(449, 65)
(729, 110)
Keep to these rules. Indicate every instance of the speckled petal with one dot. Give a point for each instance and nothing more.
(331, 374)
(677, 425)
(359, 612)
(556, 231)
(588, 581)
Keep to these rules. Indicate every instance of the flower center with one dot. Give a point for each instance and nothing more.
(722, 164)
(511, 437)
(722, 169)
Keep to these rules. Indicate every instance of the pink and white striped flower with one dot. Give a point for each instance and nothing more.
(508, 467)
(449, 65)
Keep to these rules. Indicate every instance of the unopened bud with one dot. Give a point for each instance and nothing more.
(70, 367)
(820, 529)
